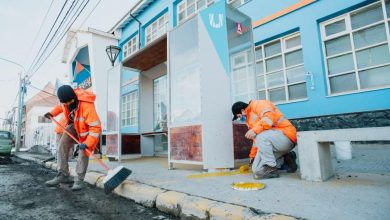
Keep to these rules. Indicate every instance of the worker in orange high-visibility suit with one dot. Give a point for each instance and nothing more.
(82, 122)
(274, 136)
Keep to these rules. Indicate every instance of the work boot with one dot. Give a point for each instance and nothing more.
(60, 178)
(78, 185)
(290, 160)
(267, 173)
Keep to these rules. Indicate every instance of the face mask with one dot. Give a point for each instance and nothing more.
(243, 118)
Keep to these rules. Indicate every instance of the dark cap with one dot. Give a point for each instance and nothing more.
(237, 107)
(66, 93)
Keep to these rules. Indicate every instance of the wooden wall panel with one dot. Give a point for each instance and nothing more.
(186, 143)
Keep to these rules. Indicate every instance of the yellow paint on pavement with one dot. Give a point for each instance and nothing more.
(216, 174)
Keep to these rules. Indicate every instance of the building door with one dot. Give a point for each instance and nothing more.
(160, 99)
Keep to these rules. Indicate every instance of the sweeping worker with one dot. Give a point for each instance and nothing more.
(274, 137)
(83, 122)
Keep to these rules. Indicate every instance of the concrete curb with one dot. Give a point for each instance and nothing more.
(175, 203)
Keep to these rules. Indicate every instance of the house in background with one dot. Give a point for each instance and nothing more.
(38, 129)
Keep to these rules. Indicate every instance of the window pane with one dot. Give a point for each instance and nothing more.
(191, 10)
(258, 53)
(343, 83)
(275, 79)
(335, 28)
(272, 49)
(261, 95)
(388, 8)
(367, 16)
(201, 4)
(259, 68)
(340, 64)
(295, 74)
(338, 45)
(293, 42)
(274, 64)
(294, 58)
(260, 82)
(373, 56)
(239, 60)
(369, 36)
(297, 91)
(377, 77)
(277, 95)
(181, 15)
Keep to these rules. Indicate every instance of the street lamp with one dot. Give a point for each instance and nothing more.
(112, 53)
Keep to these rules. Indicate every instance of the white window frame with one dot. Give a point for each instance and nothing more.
(129, 114)
(349, 32)
(282, 53)
(160, 29)
(185, 10)
(130, 47)
(248, 75)
(158, 99)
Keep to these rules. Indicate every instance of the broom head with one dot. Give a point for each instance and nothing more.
(115, 177)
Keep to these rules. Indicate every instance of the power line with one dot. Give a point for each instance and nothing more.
(59, 40)
(55, 33)
(47, 36)
(40, 28)
(42, 90)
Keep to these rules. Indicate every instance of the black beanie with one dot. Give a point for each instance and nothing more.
(237, 107)
(65, 93)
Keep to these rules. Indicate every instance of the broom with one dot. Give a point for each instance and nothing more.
(114, 177)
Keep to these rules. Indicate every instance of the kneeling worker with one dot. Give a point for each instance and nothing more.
(273, 135)
(83, 122)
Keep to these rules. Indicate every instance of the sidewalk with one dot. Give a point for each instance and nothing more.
(352, 194)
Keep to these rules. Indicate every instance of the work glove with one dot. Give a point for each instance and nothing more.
(48, 115)
(82, 146)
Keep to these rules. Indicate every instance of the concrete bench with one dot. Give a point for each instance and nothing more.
(314, 151)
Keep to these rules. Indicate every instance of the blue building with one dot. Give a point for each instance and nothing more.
(325, 63)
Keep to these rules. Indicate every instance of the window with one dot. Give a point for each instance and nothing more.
(130, 46)
(237, 3)
(42, 119)
(130, 109)
(188, 8)
(356, 49)
(156, 29)
(160, 103)
(242, 76)
(280, 71)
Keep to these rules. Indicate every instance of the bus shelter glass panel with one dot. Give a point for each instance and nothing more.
(185, 75)
(241, 52)
(113, 112)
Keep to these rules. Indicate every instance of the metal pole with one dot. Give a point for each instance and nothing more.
(20, 109)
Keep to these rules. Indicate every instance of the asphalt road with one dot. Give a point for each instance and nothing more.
(23, 195)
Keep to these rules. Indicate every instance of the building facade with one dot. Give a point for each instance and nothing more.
(324, 63)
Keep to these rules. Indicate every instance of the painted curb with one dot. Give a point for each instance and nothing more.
(140, 193)
(169, 202)
(175, 203)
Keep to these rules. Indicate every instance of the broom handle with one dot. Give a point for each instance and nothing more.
(78, 142)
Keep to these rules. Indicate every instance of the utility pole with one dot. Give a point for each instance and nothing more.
(22, 91)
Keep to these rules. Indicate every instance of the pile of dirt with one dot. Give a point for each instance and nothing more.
(38, 149)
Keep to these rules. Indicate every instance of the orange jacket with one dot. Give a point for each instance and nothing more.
(262, 115)
(86, 121)
(62, 122)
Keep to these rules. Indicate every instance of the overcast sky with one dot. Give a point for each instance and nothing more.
(20, 21)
